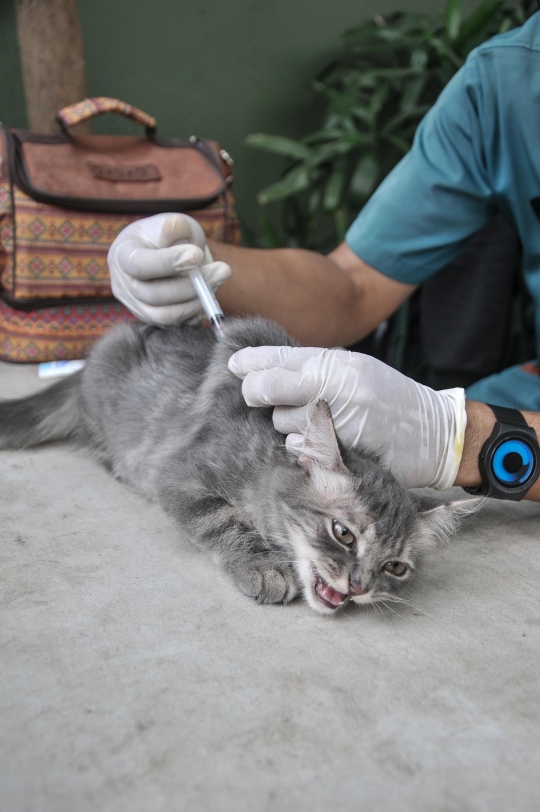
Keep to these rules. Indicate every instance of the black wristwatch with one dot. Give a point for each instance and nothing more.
(509, 460)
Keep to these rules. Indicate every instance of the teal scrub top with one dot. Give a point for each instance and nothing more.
(475, 153)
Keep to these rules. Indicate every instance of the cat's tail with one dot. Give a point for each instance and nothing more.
(53, 414)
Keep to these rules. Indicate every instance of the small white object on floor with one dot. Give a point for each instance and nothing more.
(57, 369)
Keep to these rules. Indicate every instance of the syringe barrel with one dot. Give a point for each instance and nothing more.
(206, 296)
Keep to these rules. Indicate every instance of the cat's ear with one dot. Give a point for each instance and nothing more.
(435, 524)
(321, 447)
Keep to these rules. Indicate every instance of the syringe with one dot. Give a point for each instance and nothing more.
(183, 229)
(209, 302)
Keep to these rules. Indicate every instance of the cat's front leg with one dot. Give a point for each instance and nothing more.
(259, 569)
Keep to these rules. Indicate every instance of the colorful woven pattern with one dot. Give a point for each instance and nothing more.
(6, 237)
(55, 333)
(59, 252)
(62, 253)
(50, 253)
(89, 108)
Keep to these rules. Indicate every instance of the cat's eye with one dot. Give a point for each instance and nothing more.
(397, 568)
(342, 533)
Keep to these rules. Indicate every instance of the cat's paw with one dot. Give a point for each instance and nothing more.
(267, 582)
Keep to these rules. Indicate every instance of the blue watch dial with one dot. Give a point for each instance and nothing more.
(513, 462)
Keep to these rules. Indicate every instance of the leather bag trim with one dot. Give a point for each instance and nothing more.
(20, 177)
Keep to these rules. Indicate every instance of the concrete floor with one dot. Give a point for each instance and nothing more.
(133, 676)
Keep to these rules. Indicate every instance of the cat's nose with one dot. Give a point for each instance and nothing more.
(356, 589)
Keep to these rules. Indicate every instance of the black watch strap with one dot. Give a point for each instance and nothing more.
(504, 415)
(510, 427)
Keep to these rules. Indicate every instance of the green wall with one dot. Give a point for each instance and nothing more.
(12, 112)
(216, 69)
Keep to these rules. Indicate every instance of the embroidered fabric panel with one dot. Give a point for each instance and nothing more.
(63, 252)
(55, 333)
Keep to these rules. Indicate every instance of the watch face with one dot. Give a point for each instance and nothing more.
(513, 463)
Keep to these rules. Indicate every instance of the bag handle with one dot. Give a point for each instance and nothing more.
(96, 106)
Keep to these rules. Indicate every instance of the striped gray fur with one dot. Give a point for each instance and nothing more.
(162, 411)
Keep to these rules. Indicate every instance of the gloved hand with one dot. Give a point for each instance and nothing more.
(417, 432)
(149, 262)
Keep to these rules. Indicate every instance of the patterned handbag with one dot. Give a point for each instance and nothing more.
(63, 200)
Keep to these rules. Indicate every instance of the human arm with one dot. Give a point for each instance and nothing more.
(426, 438)
(329, 300)
(480, 422)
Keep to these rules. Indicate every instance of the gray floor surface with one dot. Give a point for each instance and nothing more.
(134, 677)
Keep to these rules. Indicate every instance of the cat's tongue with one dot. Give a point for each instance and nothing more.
(329, 596)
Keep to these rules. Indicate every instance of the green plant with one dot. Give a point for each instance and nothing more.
(390, 72)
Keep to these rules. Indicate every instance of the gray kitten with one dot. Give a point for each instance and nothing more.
(161, 409)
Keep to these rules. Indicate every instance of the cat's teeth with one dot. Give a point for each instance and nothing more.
(329, 596)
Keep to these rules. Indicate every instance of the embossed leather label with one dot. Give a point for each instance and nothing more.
(124, 173)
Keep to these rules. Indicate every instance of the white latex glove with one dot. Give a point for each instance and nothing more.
(417, 432)
(149, 262)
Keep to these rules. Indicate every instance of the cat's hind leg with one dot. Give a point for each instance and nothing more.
(259, 569)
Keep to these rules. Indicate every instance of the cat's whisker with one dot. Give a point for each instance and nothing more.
(403, 617)
(396, 599)
(376, 606)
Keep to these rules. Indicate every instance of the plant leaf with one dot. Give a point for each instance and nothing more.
(419, 60)
(323, 135)
(399, 143)
(314, 202)
(334, 189)
(476, 21)
(271, 238)
(345, 144)
(399, 119)
(341, 228)
(364, 177)
(296, 180)
(412, 91)
(444, 50)
(279, 145)
(294, 223)
(452, 19)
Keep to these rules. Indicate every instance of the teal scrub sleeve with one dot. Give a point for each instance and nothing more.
(437, 196)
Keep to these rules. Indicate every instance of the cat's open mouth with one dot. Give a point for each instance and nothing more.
(327, 595)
